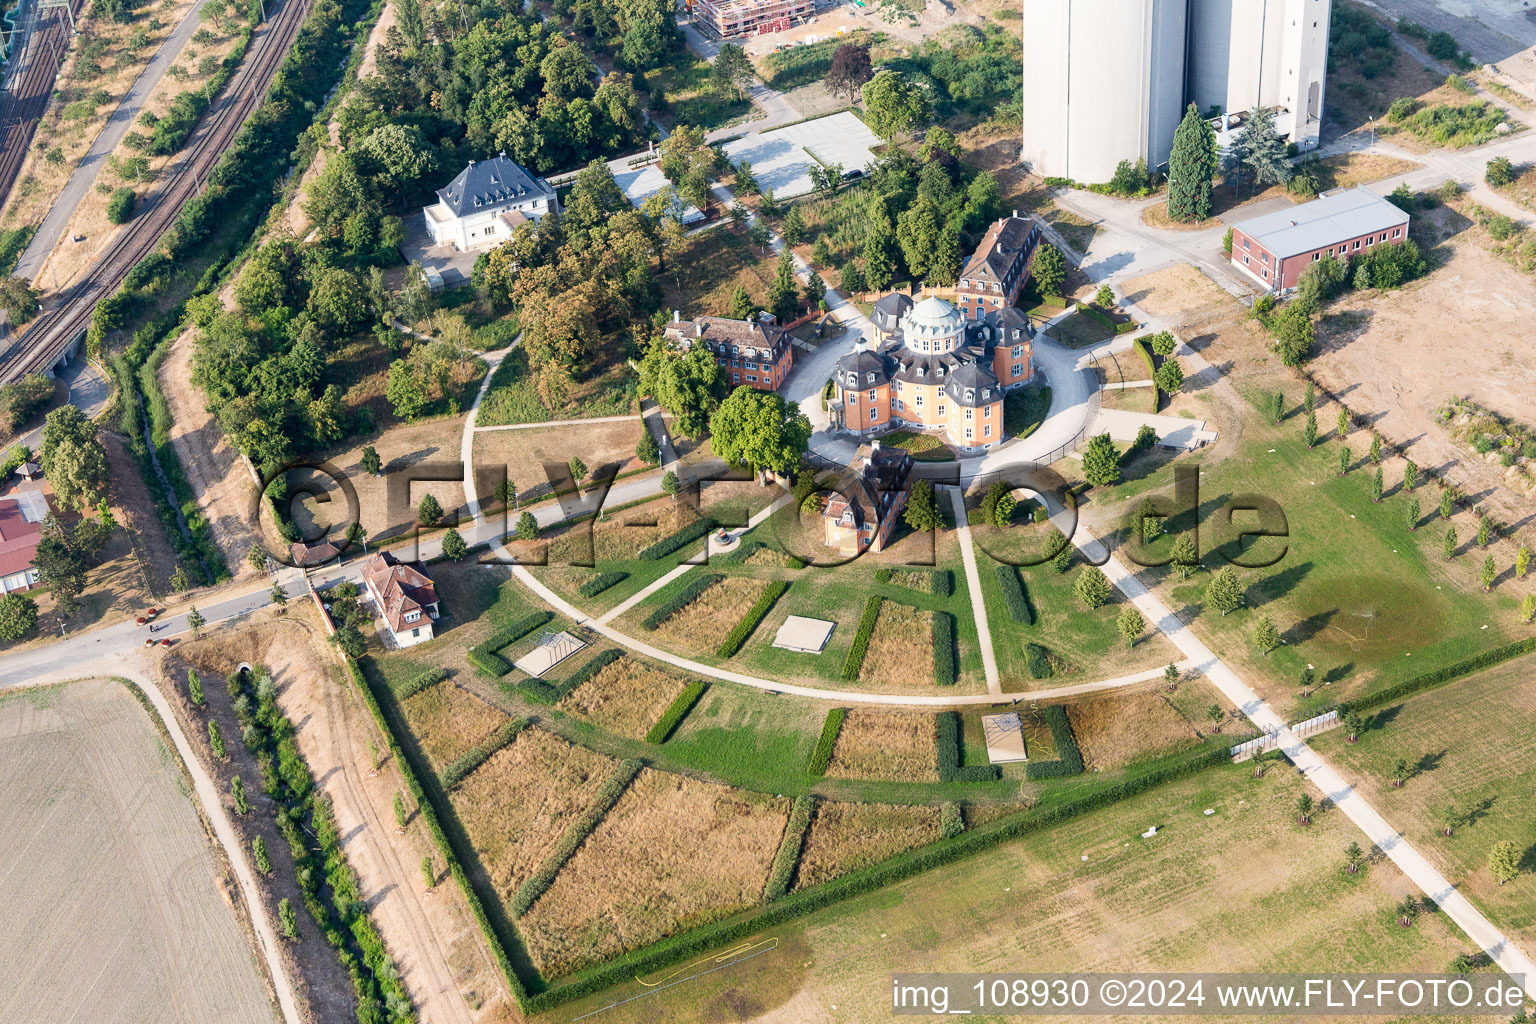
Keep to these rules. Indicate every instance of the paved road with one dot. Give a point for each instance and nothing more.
(87, 388)
(81, 181)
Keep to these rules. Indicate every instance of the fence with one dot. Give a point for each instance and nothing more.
(1271, 740)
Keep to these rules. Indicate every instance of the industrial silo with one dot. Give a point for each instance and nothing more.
(1103, 82)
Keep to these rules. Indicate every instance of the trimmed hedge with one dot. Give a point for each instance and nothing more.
(529, 892)
(674, 714)
(750, 621)
(1015, 596)
(484, 655)
(1038, 660)
(545, 693)
(1069, 759)
(947, 728)
(1140, 346)
(951, 819)
(943, 648)
(796, 904)
(680, 599)
(855, 658)
(420, 681)
(1440, 676)
(476, 756)
(822, 755)
(884, 575)
(597, 584)
(686, 535)
(942, 583)
(746, 549)
(788, 856)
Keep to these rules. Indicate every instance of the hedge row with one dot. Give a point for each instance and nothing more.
(1038, 660)
(942, 583)
(951, 819)
(1015, 596)
(822, 755)
(788, 856)
(747, 549)
(420, 681)
(681, 598)
(755, 615)
(950, 768)
(675, 713)
(597, 584)
(943, 648)
(545, 693)
(1140, 346)
(484, 655)
(855, 659)
(796, 904)
(1440, 676)
(1069, 759)
(529, 892)
(476, 756)
(428, 812)
(686, 535)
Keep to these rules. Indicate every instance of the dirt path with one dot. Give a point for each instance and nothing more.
(217, 473)
(431, 934)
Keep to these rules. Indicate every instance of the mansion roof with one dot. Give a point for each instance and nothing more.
(487, 185)
(1008, 239)
(752, 338)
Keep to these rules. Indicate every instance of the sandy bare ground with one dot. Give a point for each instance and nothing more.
(120, 911)
(215, 470)
(434, 940)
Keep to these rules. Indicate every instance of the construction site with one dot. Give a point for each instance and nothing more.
(727, 18)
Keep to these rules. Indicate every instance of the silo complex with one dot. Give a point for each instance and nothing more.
(1103, 82)
(1108, 80)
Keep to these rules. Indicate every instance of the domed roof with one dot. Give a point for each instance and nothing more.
(933, 318)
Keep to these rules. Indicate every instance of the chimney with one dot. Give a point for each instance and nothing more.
(676, 316)
(1015, 213)
(874, 445)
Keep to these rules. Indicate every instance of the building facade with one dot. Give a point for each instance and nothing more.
(863, 516)
(995, 274)
(1276, 249)
(405, 597)
(932, 370)
(727, 18)
(485, 204)
(757, 353)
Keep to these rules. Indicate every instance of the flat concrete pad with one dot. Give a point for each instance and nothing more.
(1005, 738)
(1172, 431)
(553, 648)
(450, 264)
(806, 635)
(782, 158)
(641, 183)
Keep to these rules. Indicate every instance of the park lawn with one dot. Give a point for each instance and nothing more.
(1080, 331)
(1025, 409)
(748, 738)
(1356, 595)
(1204, 891)
(1471, 746)
(605, 389)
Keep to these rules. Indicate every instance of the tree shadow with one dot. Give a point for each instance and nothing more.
(1283, 582)
(1385, 717)
(1428, 763)
(1479, 811)
(1338, 672)
(1309, 627)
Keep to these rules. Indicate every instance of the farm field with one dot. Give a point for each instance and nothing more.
(879, 744)
(624, 698)
(1204, 888)
(117, 871)
(1471, 748)
(447, 721)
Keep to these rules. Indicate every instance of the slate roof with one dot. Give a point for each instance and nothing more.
(979, 381)
(860, 363)
(1325, 221)
(1005, 241)
(718, 331)
(488, 184)
(889, 309)
(882, 474)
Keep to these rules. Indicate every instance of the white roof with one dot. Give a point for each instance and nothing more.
(803, 634)
(1005, 737)
(1331, 218)
(553, 648)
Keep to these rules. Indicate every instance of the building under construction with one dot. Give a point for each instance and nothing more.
(751, 17)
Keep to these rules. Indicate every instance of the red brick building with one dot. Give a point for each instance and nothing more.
(1277, 248)
(757, 353)
(995, 274)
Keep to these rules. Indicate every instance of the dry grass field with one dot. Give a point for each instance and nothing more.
(846, 836)
(977, 815)
(900, 648)
(672, 854)
(118, 908)
(625, 697)
(1114, 731)
(524, 453)
(448, 720)
(710, 618)
(898, 746)
(624, 534)
(516, 805)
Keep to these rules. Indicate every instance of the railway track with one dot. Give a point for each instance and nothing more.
(29, 81)
(52, 334)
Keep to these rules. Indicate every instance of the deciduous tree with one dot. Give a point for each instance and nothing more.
(1130, 624)
(894, 106)
(760, 429)
(850, 69)
(18, 617)
(1049, 269)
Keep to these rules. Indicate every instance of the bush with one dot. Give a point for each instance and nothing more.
(420, 681)
(942, 583)
(1069, 759)
(1441, 46)
(681, 598)
(1402, 108)
(822, 755)
(943, 648)
(597, 584)
(947, 730)
(755, 615)
(676, 712)
(1500, 172)
(1038, 660)
(474, 757)
(120, 206)
(484, 655)
(666, 545)
(856, 650)
(1015, 596)
(543, 693)
(951, 820)
(613, 788)
(788, 856)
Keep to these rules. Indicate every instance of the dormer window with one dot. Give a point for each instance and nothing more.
(871, 378)
(970, 394)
